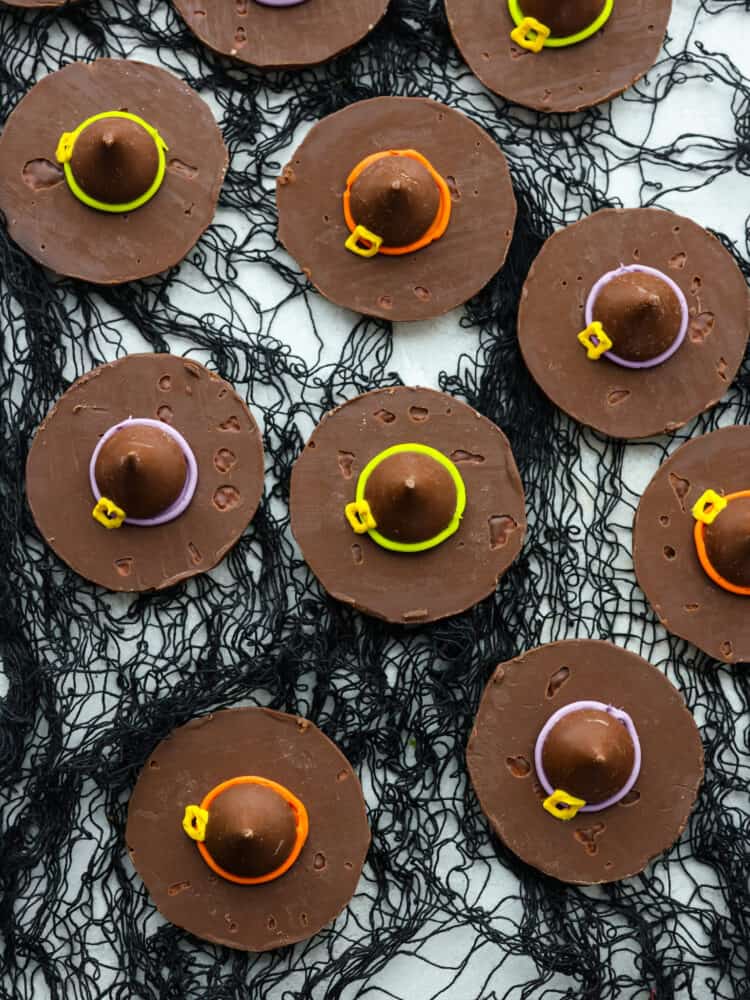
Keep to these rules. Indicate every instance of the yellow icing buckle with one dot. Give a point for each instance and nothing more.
(64, 154)
(527, 33)
(530, 34)
(708, 507)
(359, 516)
(561, 805)
(194, 822)
(603, 344)
(364, 243)
(108, 513)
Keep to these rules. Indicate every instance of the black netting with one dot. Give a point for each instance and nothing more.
(92, 681)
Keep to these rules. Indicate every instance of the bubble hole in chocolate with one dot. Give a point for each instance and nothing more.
(251, 830)
(396, 198)
(115, 160)
(563, 17)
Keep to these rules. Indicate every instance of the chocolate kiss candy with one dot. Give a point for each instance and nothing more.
(251, 830)
(115, 160)
(395, 198)
(727, 541)
(142, 469)
(411, 496)
(640, 314)
(563, 17)
(589, 754)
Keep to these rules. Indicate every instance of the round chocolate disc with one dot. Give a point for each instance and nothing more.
(202, 754)
(633, 402)
(426, 282)
(612, 843)
(217, 426)
(561, 79)
(281, 36)
(685, 598)
(46, 219)
(407, 587)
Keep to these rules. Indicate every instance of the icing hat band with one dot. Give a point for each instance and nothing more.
(534, 36)
(367, 244)
(705, 511)
(556, 795)
(64, 155)
(196, 817)
(359, 515)
(594, 338)
(111, 515)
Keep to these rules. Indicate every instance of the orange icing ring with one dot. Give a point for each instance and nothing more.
(439, 223)
(303, 828)
(700, 546)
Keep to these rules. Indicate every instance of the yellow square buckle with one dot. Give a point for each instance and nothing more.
(108, 513)
(359, 516)
(530, 34)
(561, 805)
(594, 348)
(708, 507)
(363, 242)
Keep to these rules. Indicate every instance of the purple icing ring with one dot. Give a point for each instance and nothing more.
(279, 3)
(622, 269)
(616, 713)
(191, 479)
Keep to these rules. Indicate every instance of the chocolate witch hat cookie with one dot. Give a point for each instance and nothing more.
(585, 760)
(397, 207)
(558, 55)
(281, 34)
(691, 542)
(633, 321)
(110, 171)
(145, 472)
(407, 504)
(249, 828)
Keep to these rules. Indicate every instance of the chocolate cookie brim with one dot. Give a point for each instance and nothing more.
(687, 602)
(200, 755)
(407, 587)
(281, 37)
(47, 221)
(559, 79)
(218, 427)
(604, 846)
(622, 402)
(413, 286)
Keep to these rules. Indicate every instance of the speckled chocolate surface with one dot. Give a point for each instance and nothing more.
(47, 221)
(217, 425)
(622, 402)
(200, 755)
(413, 286)
(613, 843)
(559, 79)
(281, 37)
(407, 587)
(686, 600)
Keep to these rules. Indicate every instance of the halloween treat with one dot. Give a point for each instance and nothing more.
(145, 472)
(397, 207)
(559, 55)
(281, 34)
(633, 321)
(691, 543)
(585, 760)
(110, 170)
(407, 504)
(248, 828)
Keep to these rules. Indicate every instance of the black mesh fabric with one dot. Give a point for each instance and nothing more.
(92, 681)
